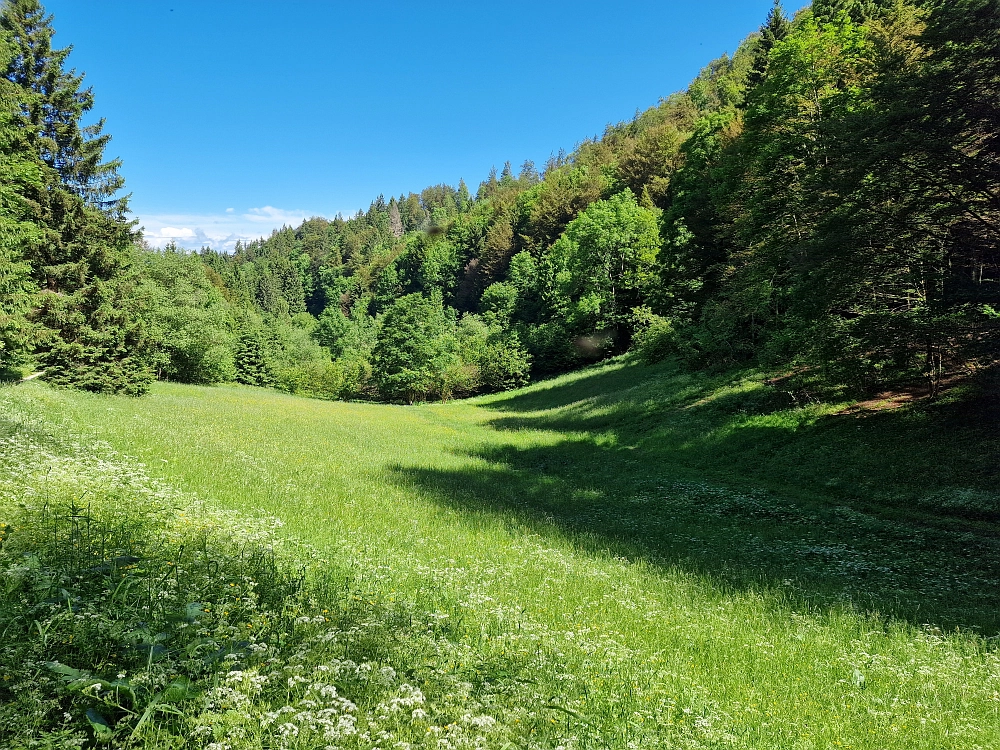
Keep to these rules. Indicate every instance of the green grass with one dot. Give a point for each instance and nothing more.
(666, 559)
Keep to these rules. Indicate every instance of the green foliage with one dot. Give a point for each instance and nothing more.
(20, 180)
(99, 341)
(253, 359)
(188, 318)
(499, 301)
(823, 197)
(504, 364)
(774, 30)
(413, 353)
(55, 106)
(602, 267)
(655, 338)
(79, 316)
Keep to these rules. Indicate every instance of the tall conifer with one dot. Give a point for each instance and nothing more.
(20, 181)
(774, 30)
(53, 114)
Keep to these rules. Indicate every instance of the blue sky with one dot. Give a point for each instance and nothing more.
(235, 117)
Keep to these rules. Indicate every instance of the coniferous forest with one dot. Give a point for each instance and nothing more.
(825, 200)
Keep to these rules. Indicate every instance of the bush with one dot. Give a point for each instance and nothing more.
(552, 348)
(455, 379)
(188, 319)
(655, 338)
(505, 364)
(317, 379)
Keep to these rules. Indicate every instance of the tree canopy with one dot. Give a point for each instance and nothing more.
(824, 199)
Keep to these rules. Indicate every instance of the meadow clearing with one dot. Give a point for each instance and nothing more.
(623, 557)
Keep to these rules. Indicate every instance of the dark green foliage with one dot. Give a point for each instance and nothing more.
(824, 198)
(253, 362)
(57, 103)
(79, 316)
(504, 364)
(20, 183)
(774, 30)
(101, 343)
(859, 11)
(655, 338)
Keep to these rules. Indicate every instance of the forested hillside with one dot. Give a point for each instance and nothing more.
(823, 201)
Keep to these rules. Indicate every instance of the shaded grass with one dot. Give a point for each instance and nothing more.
(675, 541)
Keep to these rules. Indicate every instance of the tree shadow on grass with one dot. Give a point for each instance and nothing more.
(891, 511)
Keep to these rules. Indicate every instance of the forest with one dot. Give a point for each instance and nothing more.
(821, 202)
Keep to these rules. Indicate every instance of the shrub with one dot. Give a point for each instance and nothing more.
(552, 348)
(505, 364)
(655, 338)
(317, 379)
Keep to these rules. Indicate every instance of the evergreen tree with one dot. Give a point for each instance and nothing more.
(252, 362)
(87, 314)
(20, 184)
(774, 30)
(463, 196)
(54, 112)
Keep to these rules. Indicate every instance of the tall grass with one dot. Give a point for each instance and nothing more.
(577, 565)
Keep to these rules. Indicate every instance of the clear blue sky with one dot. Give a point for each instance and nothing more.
(235, 116)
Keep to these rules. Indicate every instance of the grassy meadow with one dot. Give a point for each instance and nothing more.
(624, 557)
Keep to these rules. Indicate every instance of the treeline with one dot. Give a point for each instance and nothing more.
(825, 199)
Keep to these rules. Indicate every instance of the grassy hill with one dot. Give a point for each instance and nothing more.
(623, 557)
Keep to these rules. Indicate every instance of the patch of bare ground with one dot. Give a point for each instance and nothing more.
(906, 395)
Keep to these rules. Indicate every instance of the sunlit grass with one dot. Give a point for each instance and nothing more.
(679, 561)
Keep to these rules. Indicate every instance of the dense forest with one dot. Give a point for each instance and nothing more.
(825, 200)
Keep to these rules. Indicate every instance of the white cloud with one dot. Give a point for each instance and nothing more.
(218, 231)
(272, 215)
(177, 234)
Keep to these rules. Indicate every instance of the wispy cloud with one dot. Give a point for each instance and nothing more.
(218, 231)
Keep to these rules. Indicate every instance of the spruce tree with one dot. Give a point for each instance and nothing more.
(253, 365)
(774, 30)
(85, 317)
(20, 184)
(53, 114)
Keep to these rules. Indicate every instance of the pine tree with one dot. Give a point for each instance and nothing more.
(54, 112)
(774, 30)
